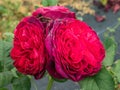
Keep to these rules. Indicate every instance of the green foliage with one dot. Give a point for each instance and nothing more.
(14, 72)
(5, 63)
(8, 74)
(5, 60)
(0, 67)
(21, 83)
(3, 89)
(101, 81)
(116, 69)
(8, 36)
(5, 78)
(49, 2)
(45, 3)
(110, 46)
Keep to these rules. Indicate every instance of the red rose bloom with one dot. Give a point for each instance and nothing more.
(28, 50)
(75, 50)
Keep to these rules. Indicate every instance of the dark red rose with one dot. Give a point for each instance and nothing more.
(54, 12)
(47, 14)
(75, 50)
(28, 51)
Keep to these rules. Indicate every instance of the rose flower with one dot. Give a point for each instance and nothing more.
(75, 50)
(28, 51)
(48, 14)
(53, 12)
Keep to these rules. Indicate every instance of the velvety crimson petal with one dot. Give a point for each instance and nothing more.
(75, 50)
(28, 51)
(48, 14)
(52, 69)
(54, 12)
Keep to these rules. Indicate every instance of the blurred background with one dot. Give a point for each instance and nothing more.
(11, 11)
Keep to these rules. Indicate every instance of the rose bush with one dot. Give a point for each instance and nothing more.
(28, 50)
(75, 50)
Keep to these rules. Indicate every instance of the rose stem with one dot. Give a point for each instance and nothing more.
(50, 83)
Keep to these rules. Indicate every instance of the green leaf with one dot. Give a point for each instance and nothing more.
(101, 81)
(108, 41)
(110, 46)
(14, 71)
(3, 89)
(52, 2)
(0, 67)
(45, 3)
(36, 7)
(5, 59)
(5, 78)
(22, 83)
(116, 69)
(49, 2)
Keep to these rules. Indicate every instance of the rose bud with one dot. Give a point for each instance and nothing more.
(75, 50)
(28, 50)
(53, 12)
(47, 14)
